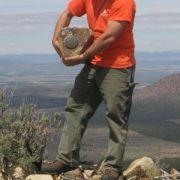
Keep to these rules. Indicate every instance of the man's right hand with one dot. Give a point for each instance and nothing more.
(56, 45)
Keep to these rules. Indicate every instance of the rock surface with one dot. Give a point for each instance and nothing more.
(77, 173)
(143, 167)
(1, 177)
(73, 40)
(39, 177)
(18, 173)
(140, 169)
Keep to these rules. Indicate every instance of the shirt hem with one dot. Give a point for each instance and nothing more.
(113, 66)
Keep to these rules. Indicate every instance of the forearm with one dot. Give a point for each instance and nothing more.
(113, 31)
(98, 46)
(63, 21)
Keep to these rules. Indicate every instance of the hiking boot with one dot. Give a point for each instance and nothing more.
(55, 167)
(111, 174)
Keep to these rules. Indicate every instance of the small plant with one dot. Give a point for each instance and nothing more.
(24, 134)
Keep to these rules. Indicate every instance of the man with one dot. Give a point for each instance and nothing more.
(107, 75)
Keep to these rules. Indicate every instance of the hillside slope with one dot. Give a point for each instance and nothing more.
(156, 109)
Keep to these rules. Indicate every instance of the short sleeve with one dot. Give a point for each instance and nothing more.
(122, 10)
(77, 7)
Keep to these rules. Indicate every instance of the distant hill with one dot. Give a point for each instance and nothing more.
(45, 97)
(163, 95)
(164, 55)
(156, 109)
(47, 69)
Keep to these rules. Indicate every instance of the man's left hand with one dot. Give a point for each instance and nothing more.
(74, 60)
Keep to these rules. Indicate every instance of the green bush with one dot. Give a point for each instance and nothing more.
(24, 134)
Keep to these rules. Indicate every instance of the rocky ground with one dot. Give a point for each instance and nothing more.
(140, 169)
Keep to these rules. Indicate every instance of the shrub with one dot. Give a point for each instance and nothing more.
(24, 134)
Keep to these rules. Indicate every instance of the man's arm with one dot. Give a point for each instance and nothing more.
(113, 31)
(63, 21)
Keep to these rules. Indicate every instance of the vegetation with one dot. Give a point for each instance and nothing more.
(24, 134)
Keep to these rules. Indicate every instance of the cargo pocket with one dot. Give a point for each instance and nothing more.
(132, 86)
(129, 104)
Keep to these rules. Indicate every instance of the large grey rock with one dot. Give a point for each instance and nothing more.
(74, 40)
(143, 167)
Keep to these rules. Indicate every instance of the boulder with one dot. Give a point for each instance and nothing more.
(74, 40)
(175, 173)
(18, 173)
(142, 168)
(88, 174)
(73, 174)
(1, 176)
(39, 177)
(96, 177)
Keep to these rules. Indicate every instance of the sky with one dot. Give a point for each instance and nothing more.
(27, 26)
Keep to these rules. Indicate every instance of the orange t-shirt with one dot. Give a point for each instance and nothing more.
(120, 54)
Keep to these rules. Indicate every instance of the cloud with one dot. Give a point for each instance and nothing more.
(163, 9)
(153, 32)
(20, 33)
(161, 21)
(26, 21)
(15, 22)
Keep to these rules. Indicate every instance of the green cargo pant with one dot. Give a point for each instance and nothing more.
(92, 85)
